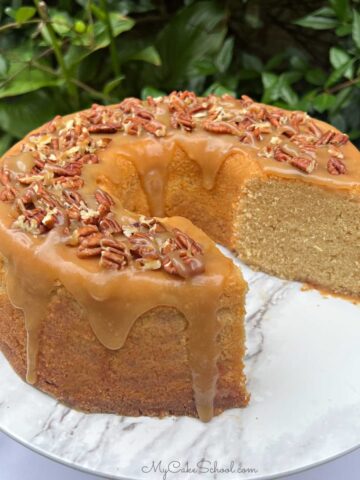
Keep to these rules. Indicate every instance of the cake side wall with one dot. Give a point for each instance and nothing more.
(150, 375)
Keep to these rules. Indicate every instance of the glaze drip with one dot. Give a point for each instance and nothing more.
(114, 300)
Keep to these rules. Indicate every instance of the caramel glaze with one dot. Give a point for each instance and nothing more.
(113, 300)
(151, 156)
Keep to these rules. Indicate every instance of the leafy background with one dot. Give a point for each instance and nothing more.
(57, 57)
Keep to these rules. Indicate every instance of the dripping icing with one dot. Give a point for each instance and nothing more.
(113, 301)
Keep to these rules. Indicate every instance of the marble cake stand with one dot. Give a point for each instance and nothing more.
(303, 366)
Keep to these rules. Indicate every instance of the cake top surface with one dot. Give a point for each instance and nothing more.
(49, 178)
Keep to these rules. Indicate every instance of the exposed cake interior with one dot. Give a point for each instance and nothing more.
(303, 232)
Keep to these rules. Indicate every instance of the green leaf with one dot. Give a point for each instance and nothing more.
(298, 62)
(251, 62)
(5, 142)
(10, 12)
(343, 98)
(338, 57)
(292, 77)
(19, 115)
(278, 87)
(151, 92)
(4, 66)
(98, 12)
(218, 89)
(344, 30)
(324, 102)
(252, 16)
(307, 101)
(319, 20)
(287, 93)
(148, 54)
(315, 76)
(356, 28)
(341, 8)
(23, 80)
(223, 59)
(119, 24)
(61, 22)
(205, 67)
(97, 38)
(269, 79)
(23, 14)
(136, 6)
(339, 73)
(338, 121)
(195, 33)
(354, 135)
(109, 87)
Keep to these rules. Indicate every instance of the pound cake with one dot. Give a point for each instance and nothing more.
(111, 301)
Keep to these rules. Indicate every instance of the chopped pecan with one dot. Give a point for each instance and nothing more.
(89, 158)
(339, 139)
(70, 182)
(314, 129)
(5, 177)
(280, 155)
(29, 179)
(326, 137)
(103, 128)
(182, 119)
(7, 194)
(70, 170)
(50, 218)
(72, 197)
(305, 164)
(89, 252)
(288, 131)
(148, 263)
(221, 127)
(130, 104)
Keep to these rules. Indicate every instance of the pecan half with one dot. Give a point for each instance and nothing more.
(182, 264)
(114, 254)
(110, 226)
(335, 166)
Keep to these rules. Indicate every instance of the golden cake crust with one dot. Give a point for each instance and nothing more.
(150, 375)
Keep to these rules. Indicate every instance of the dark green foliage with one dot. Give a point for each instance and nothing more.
(65, 55)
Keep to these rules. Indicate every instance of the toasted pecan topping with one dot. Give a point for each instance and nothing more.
(48, 196)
